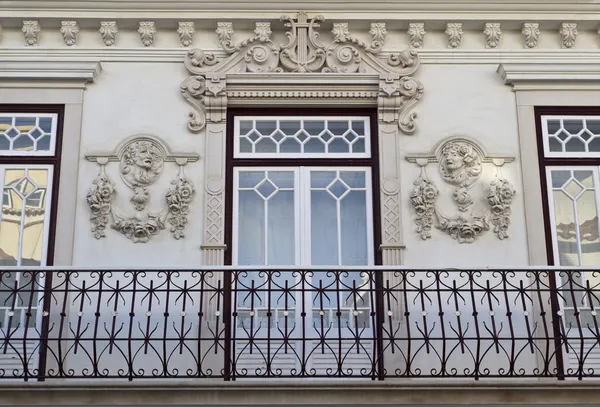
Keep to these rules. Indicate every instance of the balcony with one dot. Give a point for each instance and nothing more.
(249, 326)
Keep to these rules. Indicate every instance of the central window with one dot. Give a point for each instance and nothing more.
(301, 195)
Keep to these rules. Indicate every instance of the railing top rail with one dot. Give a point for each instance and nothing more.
(302, 268)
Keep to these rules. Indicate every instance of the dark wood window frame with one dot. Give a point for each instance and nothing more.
(372, 162)
(544, 162)
(52, 160)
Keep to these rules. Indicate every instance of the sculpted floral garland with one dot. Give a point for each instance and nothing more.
(460, 165)
(141, 163)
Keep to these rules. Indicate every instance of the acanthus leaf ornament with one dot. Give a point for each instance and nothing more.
(460, 162)
(69, 31)
(108, 31)
(568, 34)
(303, 53)
(141, 160)
(416, 32)
(454, 32)
(531, 33)
(492, 33)
(186, 32)
(147, 31)
(31, 30)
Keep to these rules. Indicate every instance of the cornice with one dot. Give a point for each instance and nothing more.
(352, 9)
(427, 56)
(57, 73)
(316, 88)
(536, 76)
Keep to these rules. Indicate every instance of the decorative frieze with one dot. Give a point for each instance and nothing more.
(31, 30)
(416, 32)
(302, 53)
(531, 34)
(454, 32)
(460, 162)
(186, 32)
(69, 31)
(147, 31)
(141, 161)
(492, 33)
(108, 31)
(568, 34)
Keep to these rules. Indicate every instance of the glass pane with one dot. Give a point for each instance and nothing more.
(324, 223)
(354, 179)
(588, 228)
(281, 236)
(353, 211)
(575, 144)
(251, 229)
(565, 229)
(321, 179)
(32, 134)
(250, 179)
(282, 179)
(559, 178)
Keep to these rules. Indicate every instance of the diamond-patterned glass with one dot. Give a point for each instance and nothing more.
(27, 134)
(341, 137)
(571, 136)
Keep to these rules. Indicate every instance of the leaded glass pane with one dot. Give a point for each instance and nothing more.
(571, 136)
(27, 134)
(306, 137)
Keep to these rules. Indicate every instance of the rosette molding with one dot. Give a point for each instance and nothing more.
(460, 161)
(141, 161)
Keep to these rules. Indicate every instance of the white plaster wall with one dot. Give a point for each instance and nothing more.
(131, 99)
(470, 100)
(136, 98)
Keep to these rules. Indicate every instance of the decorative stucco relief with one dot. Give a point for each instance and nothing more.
(69, 31)
(568, 34)
(186, 33)
(31, 30)
(460, 161)
(147, 31)
(492, 33)
(141, 161)
(416, 32)
(454, 31)
(531, 34)
(108, 31)
(303, 53)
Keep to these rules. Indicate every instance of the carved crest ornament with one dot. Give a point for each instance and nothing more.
(141, 162)
(461, 163)
(303, 53)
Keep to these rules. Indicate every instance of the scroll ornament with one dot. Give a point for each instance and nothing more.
(460, 163)
(303, 53)
(141, 162)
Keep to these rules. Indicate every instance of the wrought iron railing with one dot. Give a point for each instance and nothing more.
(336, 323)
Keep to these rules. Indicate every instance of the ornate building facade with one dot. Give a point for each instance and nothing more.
(353, 171)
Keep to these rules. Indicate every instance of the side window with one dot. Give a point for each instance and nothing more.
(28, 163)
(571, 167)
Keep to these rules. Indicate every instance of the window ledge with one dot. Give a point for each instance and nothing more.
(572, 76)
(53, 74)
